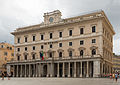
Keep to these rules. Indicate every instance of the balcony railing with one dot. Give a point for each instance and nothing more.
(57, 58)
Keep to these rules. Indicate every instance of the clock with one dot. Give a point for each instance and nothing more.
(51, 19)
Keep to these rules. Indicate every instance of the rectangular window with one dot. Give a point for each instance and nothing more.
(18, 49)
(33, 47)
(60, 44)
(70, 43)
(2, 46)
(25, 57)
(18, 58)
(81, 42)
(70, 53)
(60, 34)
(50, 45)
(12, 54)
(50, 54)
(70, 32)
(18, 40)
(50, 35)
(42, 47)
(93, 29)
(25, 39)
(25, 48)
(33, 56)
(5, 53)
(93, 40)
(81, 31)
(33, 38)
(42, 37)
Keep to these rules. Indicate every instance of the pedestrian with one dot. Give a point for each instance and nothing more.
(8, 76)
(2, 76)
(113, 75)
(110, 76)
(116, 76)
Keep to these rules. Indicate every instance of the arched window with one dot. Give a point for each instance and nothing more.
(93, 51)
(70, 53)
(60, 54)
(81, 53)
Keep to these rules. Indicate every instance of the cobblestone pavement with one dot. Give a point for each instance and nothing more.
(59, 81)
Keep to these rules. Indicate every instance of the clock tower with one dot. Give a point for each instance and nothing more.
(52, 17)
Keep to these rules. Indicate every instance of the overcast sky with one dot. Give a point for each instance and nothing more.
(20, 13)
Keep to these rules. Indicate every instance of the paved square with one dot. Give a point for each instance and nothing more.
(59, 81)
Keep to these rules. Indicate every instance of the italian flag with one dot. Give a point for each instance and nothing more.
(41, 55)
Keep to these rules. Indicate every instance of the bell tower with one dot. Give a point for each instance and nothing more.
(52, 17)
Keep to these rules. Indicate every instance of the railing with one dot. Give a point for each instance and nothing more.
(58, 58)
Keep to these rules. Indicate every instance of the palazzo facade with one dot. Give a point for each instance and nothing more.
(80, 46)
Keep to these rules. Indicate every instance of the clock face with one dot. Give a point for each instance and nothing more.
(51, 19)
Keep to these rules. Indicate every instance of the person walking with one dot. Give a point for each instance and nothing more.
(116, 76)
(8, 76)
(113, 75)
(2, 76)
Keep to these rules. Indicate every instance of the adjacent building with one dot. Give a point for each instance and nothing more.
(6, 55)
(80, 46)
(116, 63)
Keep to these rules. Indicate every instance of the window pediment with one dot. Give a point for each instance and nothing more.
(81, 48)
(60, 50)
(25, 53)
(71, 49)
(50, 51)
(93, 47)
(33, 53)
(18, 54)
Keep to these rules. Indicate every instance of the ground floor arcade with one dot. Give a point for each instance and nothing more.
(68, 68)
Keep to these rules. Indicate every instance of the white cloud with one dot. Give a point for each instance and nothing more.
(19, 13)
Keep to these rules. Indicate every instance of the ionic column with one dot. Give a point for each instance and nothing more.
(25, 70)
(21, 71)
(29, 70)
(102, 69)
(81, 69)
(74, 69)
(51, 75)
(13, 71)
(36, 70)
(17, 70)
(87, 70)
(40, 68)
(33, 70)
(68, 69)
(47, 69)
(58, 70)
(63, 75)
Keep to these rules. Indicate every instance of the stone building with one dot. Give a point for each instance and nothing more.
(116, 63)
(6, 55)
(79, 46)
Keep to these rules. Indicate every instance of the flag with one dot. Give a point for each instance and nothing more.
(41, 55)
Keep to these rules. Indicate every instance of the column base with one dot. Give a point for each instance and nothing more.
(63, 75)
(68, 75)
(58, 76)
(81, 75)
(74, 75)
(47, 75)
(87, 76)
(51, 75)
